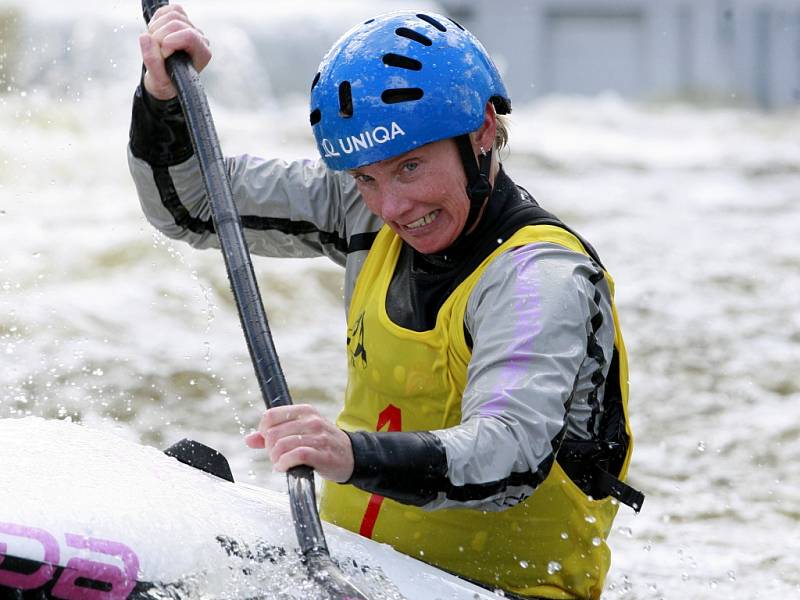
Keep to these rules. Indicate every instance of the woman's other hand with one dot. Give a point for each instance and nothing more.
(300, 435)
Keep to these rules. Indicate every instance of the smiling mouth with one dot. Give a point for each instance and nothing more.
(422, 221)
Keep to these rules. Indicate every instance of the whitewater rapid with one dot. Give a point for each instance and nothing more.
(694, 210)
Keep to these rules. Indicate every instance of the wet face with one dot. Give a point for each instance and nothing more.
(421, 195)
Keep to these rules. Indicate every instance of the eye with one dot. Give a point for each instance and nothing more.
(362, 178)
(410, 166)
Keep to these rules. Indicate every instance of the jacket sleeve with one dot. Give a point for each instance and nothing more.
(288, 209)
(542, 328)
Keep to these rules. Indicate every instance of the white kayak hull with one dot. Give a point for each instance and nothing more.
(87, 514)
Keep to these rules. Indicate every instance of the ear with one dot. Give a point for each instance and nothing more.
(484, 136)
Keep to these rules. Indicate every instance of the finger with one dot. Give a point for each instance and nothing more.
(278, 425)
(274, 416)
(285, 431)
(151, 56)
(190, 41)
(330, 458)
(302, 455)
(168, 24)
(170, 27)
(169, 20)
(176, 10)
(282, 414)
(156, 79)
(255, 440)
(285, 445)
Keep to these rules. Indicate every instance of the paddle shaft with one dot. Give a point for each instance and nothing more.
(253, 318)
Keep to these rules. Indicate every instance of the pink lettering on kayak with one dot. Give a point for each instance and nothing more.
(28, 581)
(122, 581)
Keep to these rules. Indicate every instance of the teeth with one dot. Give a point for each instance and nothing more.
(429, 218)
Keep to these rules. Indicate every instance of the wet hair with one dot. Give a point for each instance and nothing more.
(501, 135)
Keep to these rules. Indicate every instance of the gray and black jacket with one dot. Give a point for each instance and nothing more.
(561, 348)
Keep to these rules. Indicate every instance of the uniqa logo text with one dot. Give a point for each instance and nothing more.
(367, 139)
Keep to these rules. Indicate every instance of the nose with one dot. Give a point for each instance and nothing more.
(394, 203)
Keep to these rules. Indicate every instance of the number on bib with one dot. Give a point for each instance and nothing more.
(388, 416)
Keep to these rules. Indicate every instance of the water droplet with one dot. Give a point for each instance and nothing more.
(731, 575)
(564, 535)
(523, 564)
(590, 519)
(701, 446)
(626, 531)
(553, 567)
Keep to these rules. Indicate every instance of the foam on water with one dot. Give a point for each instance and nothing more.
(694, 211)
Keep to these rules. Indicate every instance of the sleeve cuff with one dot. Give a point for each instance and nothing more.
(158, 133)
(409, 467)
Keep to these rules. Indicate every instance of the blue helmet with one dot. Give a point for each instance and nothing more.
(397, 82)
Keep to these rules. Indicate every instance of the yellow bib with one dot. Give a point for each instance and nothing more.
(552, 544)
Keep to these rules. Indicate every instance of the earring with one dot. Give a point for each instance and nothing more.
(483, 151)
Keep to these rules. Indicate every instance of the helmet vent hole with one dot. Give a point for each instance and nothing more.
(402, 62)
(315, 117)
(345, 100)
(457, 24)
(368, 21)
(413, 35)
(433, 22)
(316, 80)
(398, 95)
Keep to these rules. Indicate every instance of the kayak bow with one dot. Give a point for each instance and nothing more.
(87, 514)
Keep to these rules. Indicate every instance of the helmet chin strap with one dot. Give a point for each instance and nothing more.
(477, 172)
